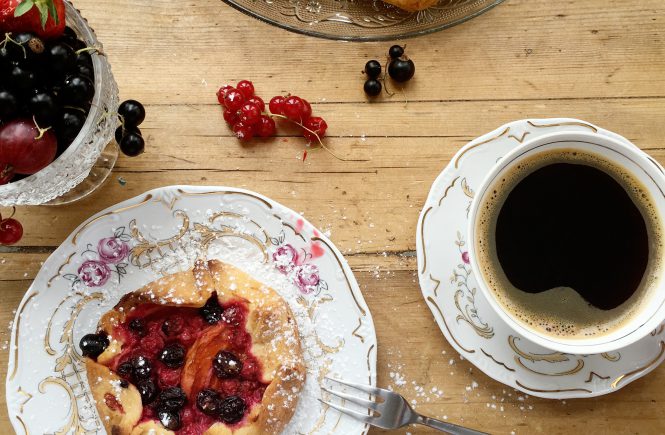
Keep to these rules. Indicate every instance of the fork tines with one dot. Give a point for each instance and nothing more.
(354, 399)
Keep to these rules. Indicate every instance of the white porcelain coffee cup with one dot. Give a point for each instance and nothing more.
(649, 314)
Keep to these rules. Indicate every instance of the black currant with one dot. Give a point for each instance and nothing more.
(137, 326)
(69, 33)
(132, 113)
(147, 390)
(121, 131)
(172, 399)
(372, 87)
(21, 78)
(226, 365)
(169, 419)
(132, 144)
(211, 311)
(173, 325)
(232, 409)
(208, 402)
(141, 368)
(396, 51)
(43, 108)
(84, 58)
(69, 125)
(125, 369)
(61, 58)
(173, 355)
(373, 69)
(92, 345)
(85, 71)
(401, 70)
(77, 90)
(8, 105)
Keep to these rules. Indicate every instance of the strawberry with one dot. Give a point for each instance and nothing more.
(45, 18)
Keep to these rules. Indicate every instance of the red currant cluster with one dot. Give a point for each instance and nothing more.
(246, 113)
(11, 230)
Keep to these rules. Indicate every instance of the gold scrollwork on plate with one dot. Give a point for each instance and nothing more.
(142, 253)
(208, 235)
(116, 211)
(70, 374)
(642, 369)
(16, 334)
(74, 424)
(465, 296)
(422, 238)
(476, 145)
(563, 390)
(468, 191)
(62, 266)
(591, 376)
(510, 369)
(552, 357)
(658, 330)
(25, 428)
(612, 357)
(563, 124)
(445, 323)
(445, 193)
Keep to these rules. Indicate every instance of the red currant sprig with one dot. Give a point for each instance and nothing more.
(246, 113)
(11, 230)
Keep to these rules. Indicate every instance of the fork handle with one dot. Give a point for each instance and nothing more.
(450, 428)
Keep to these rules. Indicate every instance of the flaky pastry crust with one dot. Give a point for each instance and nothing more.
(275, 343)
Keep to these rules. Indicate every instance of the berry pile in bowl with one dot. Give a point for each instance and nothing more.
(58, 101)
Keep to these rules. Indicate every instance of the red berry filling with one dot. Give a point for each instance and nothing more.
(176, 353)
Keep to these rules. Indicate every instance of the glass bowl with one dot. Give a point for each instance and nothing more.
(361, 20)
(89, 159)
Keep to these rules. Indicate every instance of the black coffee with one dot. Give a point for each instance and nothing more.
(573, 225)
(569, 243)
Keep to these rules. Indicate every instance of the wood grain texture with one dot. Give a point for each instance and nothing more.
(602, 61)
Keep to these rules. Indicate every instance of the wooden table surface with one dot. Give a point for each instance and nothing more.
(599, 60)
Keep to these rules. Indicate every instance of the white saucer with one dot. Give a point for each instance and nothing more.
(161, 232)
(464, 316)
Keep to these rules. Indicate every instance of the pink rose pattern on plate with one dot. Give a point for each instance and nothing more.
(295, 265)
(110, 255)
(111, 252)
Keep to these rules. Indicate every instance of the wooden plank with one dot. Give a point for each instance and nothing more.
(387, 174)
(521, 49)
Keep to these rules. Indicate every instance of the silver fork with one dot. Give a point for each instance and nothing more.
(392, 412)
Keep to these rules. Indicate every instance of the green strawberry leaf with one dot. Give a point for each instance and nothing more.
(23, 7)
(53, 11)
(45, 8)
(43, 13)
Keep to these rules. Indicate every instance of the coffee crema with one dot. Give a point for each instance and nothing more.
(569, 243)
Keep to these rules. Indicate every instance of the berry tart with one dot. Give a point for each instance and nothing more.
(208, 351)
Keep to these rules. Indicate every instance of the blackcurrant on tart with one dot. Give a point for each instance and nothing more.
(208, 351)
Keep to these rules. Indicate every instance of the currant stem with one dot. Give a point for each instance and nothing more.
(274, 115)
(90, 49)
(42, 131)
(10, 216)
(384, 78)
(9, 39)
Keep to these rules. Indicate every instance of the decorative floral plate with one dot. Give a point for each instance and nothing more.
(361, 20)
(163, 231)
(466, 319)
